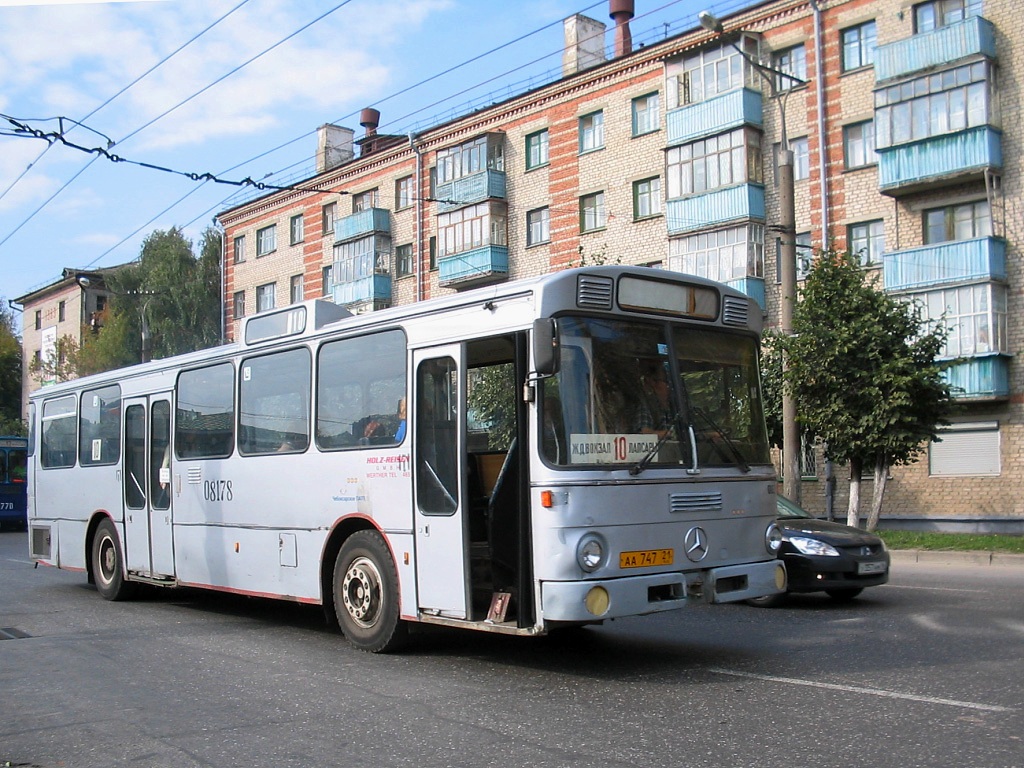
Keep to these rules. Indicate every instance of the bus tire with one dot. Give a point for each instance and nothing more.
(108, 565)
(366, 594)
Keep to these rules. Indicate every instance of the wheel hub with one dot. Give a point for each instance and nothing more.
(361, 592)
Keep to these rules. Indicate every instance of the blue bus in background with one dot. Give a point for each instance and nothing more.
(13, 485)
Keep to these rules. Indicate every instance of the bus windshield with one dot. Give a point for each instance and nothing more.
(644, 394)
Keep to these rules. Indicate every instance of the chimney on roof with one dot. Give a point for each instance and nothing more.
(621, 12)
(333, 146)
(584, 44)
(369, 118)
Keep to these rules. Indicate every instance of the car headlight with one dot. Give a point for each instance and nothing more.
(806, 546)
(773, 538)
(590, 552)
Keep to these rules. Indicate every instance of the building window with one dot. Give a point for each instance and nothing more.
(475, 226)
(537, 149)
(867, 242)
(804, 256)
(646, 198)
(239, 249)
(238, 305)
(295, 229)
(713, 71)
(403, 192)
(933, 105)
(593, 214)
(486, 153)
(403, 260)
(265, 296)
(801, 158)
(791, 62)
(266, 240)
(646, 114)
(957, 222)
(942, 13)
(718, 161)
(858, 46)
(432, 248)
(39, 319)
(296, 289)
(538, 226)
(859, 145)
(966, 450)
(592, 132)
(328, 215)
(723, 255)
(364, 201)
(325, 280)
(61, 312)
(975, 316)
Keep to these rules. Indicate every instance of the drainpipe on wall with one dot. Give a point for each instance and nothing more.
(418, 256)
(819, 52)
(223, 253)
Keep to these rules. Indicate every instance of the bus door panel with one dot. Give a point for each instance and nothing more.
(439, 460)
(160, 486)
(134, 484)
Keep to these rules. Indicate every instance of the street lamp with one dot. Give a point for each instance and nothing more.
(787, 229)
(146, 297)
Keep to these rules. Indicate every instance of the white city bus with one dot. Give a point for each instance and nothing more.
(487, 460)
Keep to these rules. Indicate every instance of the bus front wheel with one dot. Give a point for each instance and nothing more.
(107, 569)
(366, 594)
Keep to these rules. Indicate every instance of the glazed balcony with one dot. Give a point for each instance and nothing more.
(469, 190)
(370, 221)
(476, 267)
(374, 289)
(980, 378)
(939, 161)
(974, 36)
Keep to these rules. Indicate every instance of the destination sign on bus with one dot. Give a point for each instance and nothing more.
(681, 299)
(610, 449)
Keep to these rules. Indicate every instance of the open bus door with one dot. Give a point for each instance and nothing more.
(438, 456)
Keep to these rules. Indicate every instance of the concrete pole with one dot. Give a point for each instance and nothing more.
(787, 225)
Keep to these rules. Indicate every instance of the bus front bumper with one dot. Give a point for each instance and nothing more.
(588, 601)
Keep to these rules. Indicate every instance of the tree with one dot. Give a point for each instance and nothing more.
(173, 290)
(863, 370)
(10, 374)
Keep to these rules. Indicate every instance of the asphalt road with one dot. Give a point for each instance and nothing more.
(925, 671)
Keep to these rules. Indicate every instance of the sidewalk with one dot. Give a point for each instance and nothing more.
(940, 557)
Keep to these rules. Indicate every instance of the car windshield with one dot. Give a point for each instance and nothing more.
(648, 394)
(788, 509)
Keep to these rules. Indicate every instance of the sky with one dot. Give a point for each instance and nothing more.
(236, 89)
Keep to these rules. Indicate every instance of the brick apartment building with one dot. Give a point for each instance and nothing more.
(907, 139)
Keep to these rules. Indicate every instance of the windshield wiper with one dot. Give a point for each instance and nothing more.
(733, 449)
(641, 465)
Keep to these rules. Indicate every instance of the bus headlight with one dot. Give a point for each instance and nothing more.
(590, 552)
(773, 539)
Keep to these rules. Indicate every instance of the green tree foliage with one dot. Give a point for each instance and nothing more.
(10, 374)
(771, 386)
(864, 375)
(176, 291)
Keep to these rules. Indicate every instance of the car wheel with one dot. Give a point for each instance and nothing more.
(366, 594)
(844, 595)
(769, 601)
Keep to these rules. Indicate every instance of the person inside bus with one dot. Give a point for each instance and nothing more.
(652, 413)
(400, 432)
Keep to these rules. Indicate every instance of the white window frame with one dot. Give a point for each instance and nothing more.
(591, 128)
(266, 240)
(266, 296)
(538, 226)
(721, 255)
(593, 214)
(646, 113)
(537, 149)
(866, 241)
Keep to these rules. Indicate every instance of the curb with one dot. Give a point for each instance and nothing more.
(941, 557)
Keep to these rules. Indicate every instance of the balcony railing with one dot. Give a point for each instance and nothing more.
(980, 378)
(946, 159)
(470, 190)
(362, 223)
(958, 261)
(743, 202)
(481, 265)
(722, 113)
(971, 37)
(375, 288)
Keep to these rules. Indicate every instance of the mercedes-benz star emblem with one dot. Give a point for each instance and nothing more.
(696, 543)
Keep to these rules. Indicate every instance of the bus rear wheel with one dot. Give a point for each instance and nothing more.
(366, 594)
(107, 570)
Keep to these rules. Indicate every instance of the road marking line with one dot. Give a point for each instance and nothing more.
(858, 689)
(933, 589)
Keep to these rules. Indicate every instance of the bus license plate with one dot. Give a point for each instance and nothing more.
(646, 558)
(876, 567)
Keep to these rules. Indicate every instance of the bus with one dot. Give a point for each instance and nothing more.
(485, 460)
(13, 471)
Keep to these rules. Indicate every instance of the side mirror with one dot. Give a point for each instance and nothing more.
(545, 346)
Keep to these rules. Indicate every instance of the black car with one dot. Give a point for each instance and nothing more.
(826, 557)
